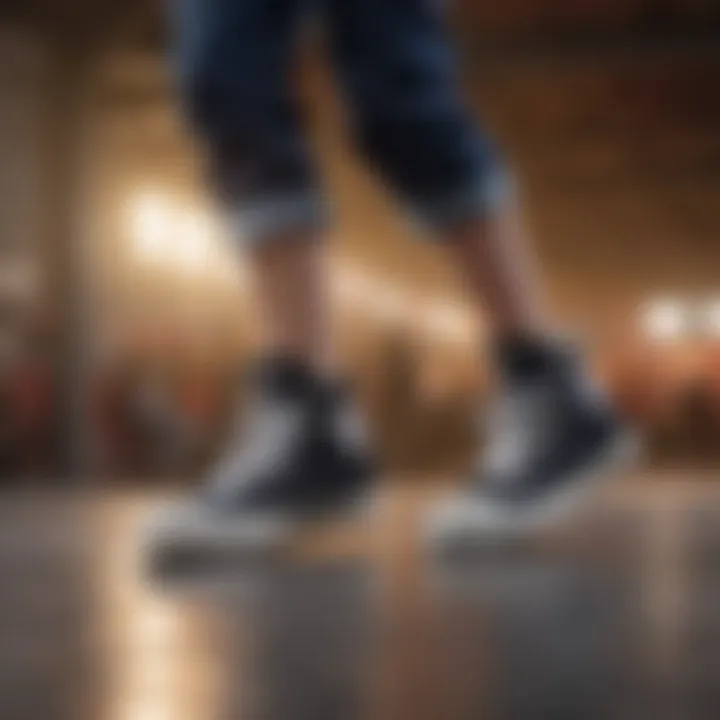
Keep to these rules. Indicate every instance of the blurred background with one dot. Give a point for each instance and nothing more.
(126, 314)
(126, 321)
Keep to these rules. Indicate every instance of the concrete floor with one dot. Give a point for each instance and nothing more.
(615, 617)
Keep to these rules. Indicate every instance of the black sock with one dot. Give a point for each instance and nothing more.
(526, 357)
(292, 378)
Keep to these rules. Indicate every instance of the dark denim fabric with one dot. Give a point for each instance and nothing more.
(396, 71)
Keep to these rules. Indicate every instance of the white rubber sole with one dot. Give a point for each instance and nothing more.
(187, 537)
(462, 519)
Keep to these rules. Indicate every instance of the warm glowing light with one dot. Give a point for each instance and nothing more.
(229, 269)
(711, 317)
(445, 321)
(449, 322)
(355, 287)
(665, 319)
(193, 241)
(389, 303)
(350, 284)
(150, 221)
(146, 634)
(168, 232)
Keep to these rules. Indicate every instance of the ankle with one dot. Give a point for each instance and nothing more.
(525, 356)
(291, 377)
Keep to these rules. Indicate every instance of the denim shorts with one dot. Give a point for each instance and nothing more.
(235, 61)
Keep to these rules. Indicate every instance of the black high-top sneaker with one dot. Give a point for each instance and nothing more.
(301, 454)
(550, 435)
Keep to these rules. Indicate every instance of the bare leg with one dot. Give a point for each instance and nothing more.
(491, 255)
(291, 291)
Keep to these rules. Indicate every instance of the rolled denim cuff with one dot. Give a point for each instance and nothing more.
(277, 217)
(485, 194)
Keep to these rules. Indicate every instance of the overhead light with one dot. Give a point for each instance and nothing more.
(165, 231)
(665, 320)
(711, 317)
(150, 218)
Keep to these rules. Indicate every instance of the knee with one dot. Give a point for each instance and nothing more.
(256, 159)
(443, 166)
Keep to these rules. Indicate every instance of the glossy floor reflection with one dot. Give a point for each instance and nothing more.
(616, 617)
